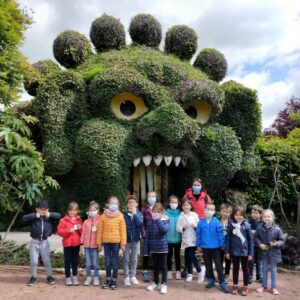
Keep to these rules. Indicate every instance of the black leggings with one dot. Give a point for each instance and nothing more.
(236, 260)
(227, 262)
(210, 256)
(176, 248)
(71, 255)
(160, 264)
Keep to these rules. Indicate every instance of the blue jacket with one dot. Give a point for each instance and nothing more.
(156, 237)
(233, 244)
(265, 235)
(254, 225)
(209, 235)
(173, 236)
(133, 226)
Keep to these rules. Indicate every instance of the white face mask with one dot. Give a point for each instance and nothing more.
(173, 205)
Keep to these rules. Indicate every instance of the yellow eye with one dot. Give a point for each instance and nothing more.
(128, 106)
(198, 110)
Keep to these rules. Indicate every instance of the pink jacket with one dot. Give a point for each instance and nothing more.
(89, 232)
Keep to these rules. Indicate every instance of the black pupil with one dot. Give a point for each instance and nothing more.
(127, 108)
(191, 111)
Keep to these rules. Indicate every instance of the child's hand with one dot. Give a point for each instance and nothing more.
(99, 247)
(250, 257)
(47, 214)
(199, 249)
(38, 215)
(262, 246)
(123, 247)
(273, 244)
(228, 256)
(81, 249)
(71, 230)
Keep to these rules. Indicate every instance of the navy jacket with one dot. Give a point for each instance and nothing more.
(156, 237)
(233, 244)
(133, 226)
(209, 235)
(254, 225)
(265, 235)
(41, 224)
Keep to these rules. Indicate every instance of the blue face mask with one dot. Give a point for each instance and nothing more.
(113, 207)
(196, 189)
(93, 213)
(209, 213)
(151, 200)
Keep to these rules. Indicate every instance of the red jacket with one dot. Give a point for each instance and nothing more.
(198, 204)
(70, 239)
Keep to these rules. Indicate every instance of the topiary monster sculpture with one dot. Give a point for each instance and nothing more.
(133, 118)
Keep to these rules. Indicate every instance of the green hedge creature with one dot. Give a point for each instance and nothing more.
(129, 119)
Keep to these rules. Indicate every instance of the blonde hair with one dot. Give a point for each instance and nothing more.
(72, 206)
(226, 206)
(210, 204)
(113, 198)
(271, 212)
(95, 204)
(159, 207)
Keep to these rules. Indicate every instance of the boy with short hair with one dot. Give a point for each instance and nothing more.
(255, 221)
(41, 229)
(210, 238)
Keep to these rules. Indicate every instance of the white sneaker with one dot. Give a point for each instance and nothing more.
(163, 289)
(96, 281)
(127, 281)
(201, 276)
(69, 281)
(170, 275)
(178, 275)
(151, 287)
(87, 281)
(134, 280)
(75, 280)
(189, 278)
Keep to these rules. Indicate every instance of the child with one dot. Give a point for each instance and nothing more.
(173, 237)
(112, 236)
(156, 244)
(69, 228)
(270, 239)
(239, 247)
(88, 239)
(255, 221)
(226, 210)
(41, 229)
(186, 225)
(152, 198)
(134, 221)
(210, 238)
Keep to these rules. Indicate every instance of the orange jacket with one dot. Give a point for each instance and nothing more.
(111, 228)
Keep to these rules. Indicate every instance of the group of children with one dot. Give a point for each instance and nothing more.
(231, 239)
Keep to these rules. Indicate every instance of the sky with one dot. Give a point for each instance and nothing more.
(260, 39)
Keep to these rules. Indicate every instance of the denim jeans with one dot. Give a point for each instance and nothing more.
(111, 252)
(130, 256)
(266, 264)
(91, 259)
(190, 259)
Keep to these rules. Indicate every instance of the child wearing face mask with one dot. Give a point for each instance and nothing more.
(270, 239)
(239, 247)
(156, 244)
(111, 235)
(69, 228)
(88, 240)
(152, 198)
(210, 238)
(173, 237)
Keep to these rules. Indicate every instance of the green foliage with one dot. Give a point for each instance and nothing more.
(145, 30)
(107, 33)
(212, 62)
(71, 48)
(181, 41)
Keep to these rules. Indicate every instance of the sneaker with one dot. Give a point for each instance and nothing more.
(134, 280)
(183, 274)
(69, 281)
(163, 289)
(210, 283)
(87, 281)
(32, 281)
(170, 275)
(146, 277)
(245, 291)
(200, 276)
(50, 280)
(261, 289)
(96, 281)
(178, 275)
(151, 287)
(106, 284)
(189, 278)
(224, 288)
(75, 280)
(127, 281)
(250, 280)
(234, 290)
(113, 285)
(275, 292)
(226, 278)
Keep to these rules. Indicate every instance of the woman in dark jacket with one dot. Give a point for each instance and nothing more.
(270, 239)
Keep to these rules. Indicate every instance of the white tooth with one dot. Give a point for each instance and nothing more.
(177, 160)
(184, 161)
(158, 159)
(168, 160)
(136, 161)
(147, 160)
